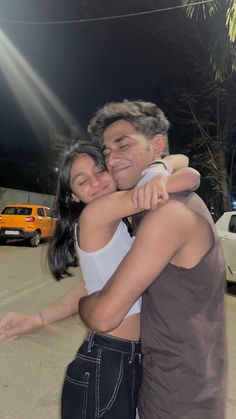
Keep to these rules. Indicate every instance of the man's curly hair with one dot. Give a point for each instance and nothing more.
(145, 117)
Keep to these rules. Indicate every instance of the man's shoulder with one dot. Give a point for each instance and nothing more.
(181, 208)
(185, 196)
(180, 211)
(173, 209)
(194, 203)
(171, 220)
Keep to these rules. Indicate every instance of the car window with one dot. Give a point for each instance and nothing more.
(232, 224)
(40, 212)
(48, 212)
(9, 210)
(17, 211)
(54, 213)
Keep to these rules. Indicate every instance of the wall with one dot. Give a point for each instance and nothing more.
(14, 196)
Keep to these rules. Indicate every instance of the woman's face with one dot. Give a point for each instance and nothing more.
(88, 180)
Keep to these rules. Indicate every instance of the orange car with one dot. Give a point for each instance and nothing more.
(31, 222)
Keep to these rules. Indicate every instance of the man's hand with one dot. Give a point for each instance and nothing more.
(151, 194)
(14, 324)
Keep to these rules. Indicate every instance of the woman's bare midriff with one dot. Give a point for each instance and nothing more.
(129, 328)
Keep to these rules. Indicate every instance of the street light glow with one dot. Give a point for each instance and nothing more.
(32, 93)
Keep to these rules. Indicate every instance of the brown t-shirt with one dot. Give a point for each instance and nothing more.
(183, 336)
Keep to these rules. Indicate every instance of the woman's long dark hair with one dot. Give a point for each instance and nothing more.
(61, 252)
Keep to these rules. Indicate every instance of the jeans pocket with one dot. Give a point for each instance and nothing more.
(75, 391)
(109, 379)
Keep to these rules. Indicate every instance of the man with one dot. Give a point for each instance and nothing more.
(176, 262)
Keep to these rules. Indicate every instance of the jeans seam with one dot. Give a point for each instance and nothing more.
(85, 385)
(85, 401)
(133, 382)
(76, 382)
(86, 358)
(120, 376)
(117, 350)
(97, 386)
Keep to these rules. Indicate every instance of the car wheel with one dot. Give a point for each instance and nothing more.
(230, 285)
(35, 239)
(3, 240)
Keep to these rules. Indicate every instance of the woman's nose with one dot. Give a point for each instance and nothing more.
(94, 180)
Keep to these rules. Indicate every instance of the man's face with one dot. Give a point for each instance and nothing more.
(127, 153)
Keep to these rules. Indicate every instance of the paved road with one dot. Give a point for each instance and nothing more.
(32, 367)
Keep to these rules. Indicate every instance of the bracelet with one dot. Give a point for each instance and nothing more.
(156, 171)
(40, 315)
(166, 164)
(150, 173)
(159, 162)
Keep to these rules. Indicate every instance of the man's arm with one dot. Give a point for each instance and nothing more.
(161, 235)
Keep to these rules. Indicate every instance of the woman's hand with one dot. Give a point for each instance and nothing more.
(151, 194)
(14, 324)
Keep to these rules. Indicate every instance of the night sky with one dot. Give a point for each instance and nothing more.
(87, 64)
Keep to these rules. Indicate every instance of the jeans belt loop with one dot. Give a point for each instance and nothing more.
(132, 352)
(90, 340)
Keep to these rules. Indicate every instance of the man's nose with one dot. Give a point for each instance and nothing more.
(112, 158)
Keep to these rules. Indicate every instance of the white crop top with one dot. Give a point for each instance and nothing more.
(97, 267)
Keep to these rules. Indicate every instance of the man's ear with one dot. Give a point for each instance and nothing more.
(159, 144)
(75, 198)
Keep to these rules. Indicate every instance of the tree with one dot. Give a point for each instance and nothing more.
(204, 105)
(221, 14)
(204, 102)
(209, 112)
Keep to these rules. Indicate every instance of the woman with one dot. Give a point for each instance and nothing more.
(104, 378)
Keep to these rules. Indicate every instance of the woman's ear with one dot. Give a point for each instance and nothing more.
(159, 144)
(75, 198)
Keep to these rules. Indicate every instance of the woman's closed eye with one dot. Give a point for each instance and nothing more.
(100, 170)
(82, 181)
(106, 154)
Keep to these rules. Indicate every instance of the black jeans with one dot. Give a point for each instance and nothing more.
(103, 381)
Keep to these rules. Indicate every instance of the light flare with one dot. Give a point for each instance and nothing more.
(33, 95)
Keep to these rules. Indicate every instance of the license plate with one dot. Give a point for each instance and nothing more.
(13, 232)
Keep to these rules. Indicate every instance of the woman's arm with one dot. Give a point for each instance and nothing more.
(63, 307)
(98, 220)
(14, 324)
(176, 161)
(112, 207)
(147, 194)
(184, 179)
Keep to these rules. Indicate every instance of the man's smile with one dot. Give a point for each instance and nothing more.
(121, 166)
